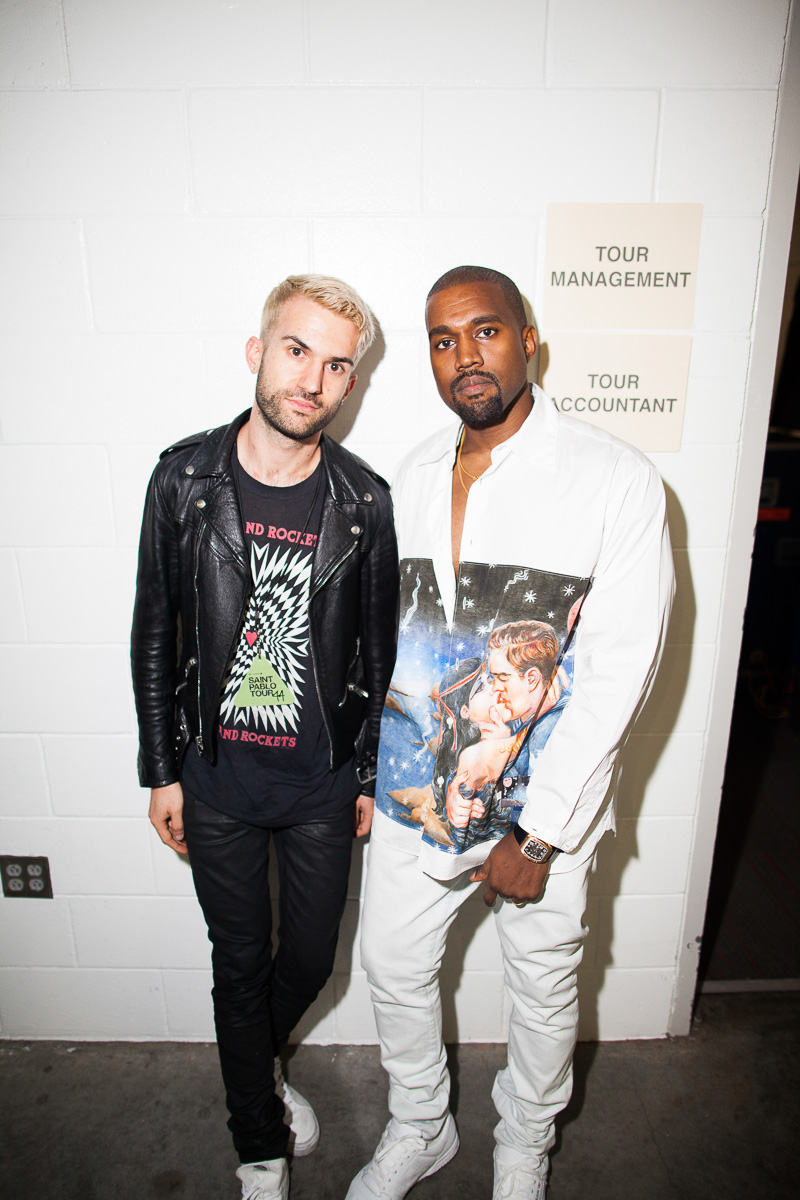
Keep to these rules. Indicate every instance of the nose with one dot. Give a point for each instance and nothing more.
(468, 354)
(312, 378)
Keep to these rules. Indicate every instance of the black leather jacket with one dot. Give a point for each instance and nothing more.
(193, 586)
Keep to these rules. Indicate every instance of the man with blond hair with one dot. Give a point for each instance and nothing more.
(263, 644)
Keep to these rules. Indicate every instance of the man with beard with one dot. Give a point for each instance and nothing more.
(263, 643)
(518, 520)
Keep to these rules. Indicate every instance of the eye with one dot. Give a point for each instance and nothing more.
(337, 367)
(487, 332)
(443, 344)
(296, 351)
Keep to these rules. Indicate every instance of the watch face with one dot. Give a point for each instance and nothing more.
(536, 851)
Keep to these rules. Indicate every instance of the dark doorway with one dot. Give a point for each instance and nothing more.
(752, 932)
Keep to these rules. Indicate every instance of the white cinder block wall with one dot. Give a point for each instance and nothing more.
(163, 165)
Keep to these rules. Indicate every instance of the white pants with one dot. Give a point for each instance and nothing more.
(407, 915)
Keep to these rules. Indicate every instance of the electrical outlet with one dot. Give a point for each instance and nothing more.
(25, 878)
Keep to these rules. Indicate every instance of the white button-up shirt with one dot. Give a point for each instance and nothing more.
(564, 498)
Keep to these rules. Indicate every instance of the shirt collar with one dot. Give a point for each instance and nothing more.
(535, 442)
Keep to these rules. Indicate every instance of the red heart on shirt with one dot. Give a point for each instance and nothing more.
(251, 637)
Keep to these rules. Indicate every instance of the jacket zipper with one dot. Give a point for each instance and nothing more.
(192, 662)
(353, 687)
(320, 584)
(198, 741)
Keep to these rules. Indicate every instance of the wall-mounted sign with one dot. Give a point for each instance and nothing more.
(621, 266)
(633, 386)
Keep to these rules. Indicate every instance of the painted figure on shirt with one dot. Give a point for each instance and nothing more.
(501, 675)
(487, 710)
(482, 761)
(523, 658)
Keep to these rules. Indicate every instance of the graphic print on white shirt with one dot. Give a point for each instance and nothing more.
(470, 708)
(266, 684)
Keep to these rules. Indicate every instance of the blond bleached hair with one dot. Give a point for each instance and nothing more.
(331, 293)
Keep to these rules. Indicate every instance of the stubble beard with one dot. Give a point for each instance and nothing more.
(476, 414)
(291, 424)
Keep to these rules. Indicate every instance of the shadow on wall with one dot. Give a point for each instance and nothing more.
(636, 767)
(342, 424)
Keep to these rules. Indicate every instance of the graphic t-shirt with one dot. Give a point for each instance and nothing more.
(472, 703)
(273, 752)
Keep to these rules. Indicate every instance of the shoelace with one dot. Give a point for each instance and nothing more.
(521, 1174)
(257, 1192)
(392, 1157)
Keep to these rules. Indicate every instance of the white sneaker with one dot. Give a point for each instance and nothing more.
(267, 1180)
(300, 1117)
(402, 1158)
(519, 1176)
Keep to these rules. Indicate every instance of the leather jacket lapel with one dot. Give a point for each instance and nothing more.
(339, 535)
(221, 512)
(342, 524)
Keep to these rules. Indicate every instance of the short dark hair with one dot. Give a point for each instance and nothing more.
(507, 286)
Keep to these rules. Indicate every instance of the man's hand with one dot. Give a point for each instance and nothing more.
(508, 873)
(365, 807)
(166, 814)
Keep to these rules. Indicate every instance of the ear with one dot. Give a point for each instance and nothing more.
(533, 676)
(252, 352)
(350, 385)
(529, 341)
(464, 711)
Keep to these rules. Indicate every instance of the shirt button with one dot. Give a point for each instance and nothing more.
(367, 497)
(200, 503)
(355, 529)
(190, 470)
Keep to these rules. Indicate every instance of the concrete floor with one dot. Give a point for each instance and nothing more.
(714, 1115)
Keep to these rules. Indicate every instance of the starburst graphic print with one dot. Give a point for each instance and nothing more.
(275, 629)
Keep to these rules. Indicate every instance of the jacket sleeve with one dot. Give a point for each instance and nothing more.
(154, 641)
(618, 643)
(380, 590)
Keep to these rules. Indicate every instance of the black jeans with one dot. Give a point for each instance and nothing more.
(259, 997)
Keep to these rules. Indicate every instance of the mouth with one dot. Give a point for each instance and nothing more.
(302, 402)
(473, 385)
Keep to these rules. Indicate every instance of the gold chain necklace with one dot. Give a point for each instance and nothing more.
(462, 470)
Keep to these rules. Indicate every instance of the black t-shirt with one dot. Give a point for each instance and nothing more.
(273, 752)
